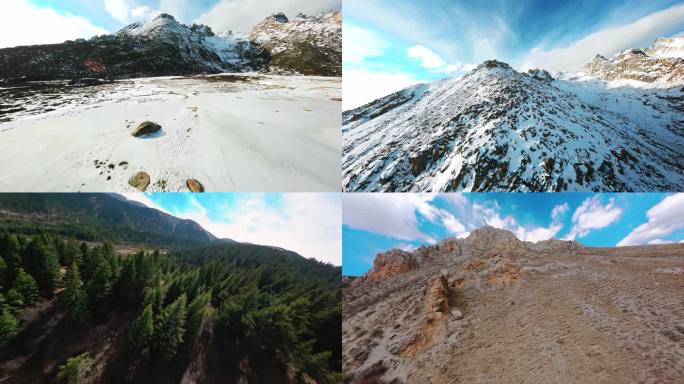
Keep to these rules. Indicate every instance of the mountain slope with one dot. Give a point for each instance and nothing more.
(310, 45)
(491, 308)
(496, 129)
(97, 217)
(163, 46)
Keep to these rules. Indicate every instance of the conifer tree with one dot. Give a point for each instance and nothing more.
(170, 328)
(8, 327)
(197, 313)
(26, 285)
(74, 296)
(142, 330)
(101, 284)
(72, 252)
(12, 258)
(14, 300)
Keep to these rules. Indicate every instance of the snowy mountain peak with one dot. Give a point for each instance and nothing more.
(161, 24)
(496, 129)
(280, 17)
(662, 64)
(490, 64)
(672, 47)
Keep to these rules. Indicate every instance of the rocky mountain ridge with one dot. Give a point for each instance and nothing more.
(486, 241)
(163, 46)
(661, 64)
(310, 45)
(497, 129)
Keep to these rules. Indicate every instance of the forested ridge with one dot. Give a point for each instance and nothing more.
(96, 217)
(223, 312)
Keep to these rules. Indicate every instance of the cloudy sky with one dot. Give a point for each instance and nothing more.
(390, 44)
(374, 223)
(24, 22)
(307, 223)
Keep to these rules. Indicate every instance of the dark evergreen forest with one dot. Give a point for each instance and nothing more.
(214, 312)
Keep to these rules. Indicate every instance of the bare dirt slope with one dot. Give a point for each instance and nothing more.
(493, 309)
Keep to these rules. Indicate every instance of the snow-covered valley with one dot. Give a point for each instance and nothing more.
(230, 132)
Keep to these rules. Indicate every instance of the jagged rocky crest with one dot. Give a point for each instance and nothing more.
(163, 46)
(484, 242)
(497, 129)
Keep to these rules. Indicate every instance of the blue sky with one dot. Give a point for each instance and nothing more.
(374, 223)
(24, 22)
(307, 223)
(389, 44)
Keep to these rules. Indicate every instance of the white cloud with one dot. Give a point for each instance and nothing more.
(606, 42)
(19, 18)
(118, 9)
(660, 241)
(307, 223)
(591, 215)
(360, 43)
(559, 210)
(242, 15)
(397, 215)
(432, 61)
(663, 218)
(178, 8)
(361, 86)
(143, 13)
(389, 214)
(126, 11)
(491, 216)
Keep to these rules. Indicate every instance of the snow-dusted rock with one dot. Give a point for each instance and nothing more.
(304, 44)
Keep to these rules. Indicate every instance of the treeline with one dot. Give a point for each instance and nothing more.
(257, 303)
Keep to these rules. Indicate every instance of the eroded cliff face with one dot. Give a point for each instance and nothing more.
(492, 308)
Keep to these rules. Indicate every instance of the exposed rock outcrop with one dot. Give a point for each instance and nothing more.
(310, 45)
(392, 263)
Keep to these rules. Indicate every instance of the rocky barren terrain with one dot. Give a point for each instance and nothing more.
(615, 125)
(490, 308)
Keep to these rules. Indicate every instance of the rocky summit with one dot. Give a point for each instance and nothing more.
(163, 46)
(310, 45)
(616, 126)
(491, 308)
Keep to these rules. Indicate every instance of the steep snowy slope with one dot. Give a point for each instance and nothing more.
(496, 129)
(310, 45)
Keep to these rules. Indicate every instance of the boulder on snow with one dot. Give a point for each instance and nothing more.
(195, 186)
(140, 181)
(146, 128)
